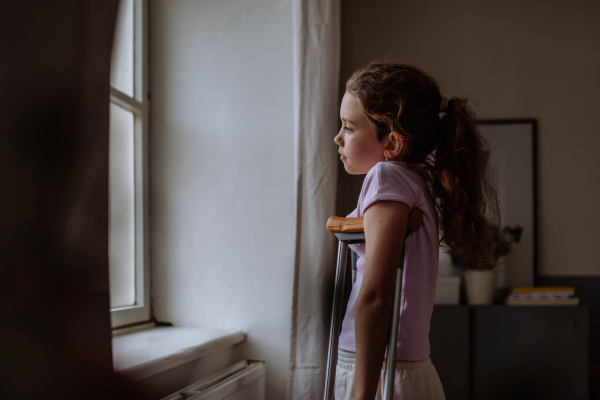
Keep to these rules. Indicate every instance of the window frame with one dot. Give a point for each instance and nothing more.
(139, 106)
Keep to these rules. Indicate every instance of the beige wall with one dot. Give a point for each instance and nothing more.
(513, 59)
(222, 172)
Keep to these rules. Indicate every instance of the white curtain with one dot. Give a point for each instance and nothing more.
(316, 36)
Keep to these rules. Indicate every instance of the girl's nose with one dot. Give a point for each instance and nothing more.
(338, 139)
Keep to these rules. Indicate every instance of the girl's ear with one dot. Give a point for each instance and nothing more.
(394, 145)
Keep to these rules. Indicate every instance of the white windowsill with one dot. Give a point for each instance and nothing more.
(146, 350)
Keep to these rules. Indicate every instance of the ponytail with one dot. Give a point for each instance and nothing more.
(466, 200)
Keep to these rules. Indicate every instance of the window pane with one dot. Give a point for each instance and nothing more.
(121, 75)
(122, 201)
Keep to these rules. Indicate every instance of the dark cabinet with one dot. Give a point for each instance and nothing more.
(507, 352)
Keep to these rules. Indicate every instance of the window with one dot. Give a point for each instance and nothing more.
(128, 261)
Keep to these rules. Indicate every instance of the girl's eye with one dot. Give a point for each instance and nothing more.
(347, 129)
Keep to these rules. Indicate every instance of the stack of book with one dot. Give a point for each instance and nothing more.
(542, 296)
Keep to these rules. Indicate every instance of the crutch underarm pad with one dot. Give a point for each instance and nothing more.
(349, 225)
(344, 225)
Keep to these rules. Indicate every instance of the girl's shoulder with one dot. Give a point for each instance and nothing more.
(396, 181)
(394, 171)
(392, 180)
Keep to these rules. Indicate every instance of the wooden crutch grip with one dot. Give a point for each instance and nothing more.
(349, 225)
(345, 225)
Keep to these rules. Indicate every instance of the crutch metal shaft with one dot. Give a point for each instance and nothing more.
(336, 319)
(390, 363)
(353, 260)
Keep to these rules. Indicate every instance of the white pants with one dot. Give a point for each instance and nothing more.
(414, 380)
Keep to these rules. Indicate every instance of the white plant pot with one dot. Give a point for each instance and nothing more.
(481, 286)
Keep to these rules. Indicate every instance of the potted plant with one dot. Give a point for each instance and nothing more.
(481, 284)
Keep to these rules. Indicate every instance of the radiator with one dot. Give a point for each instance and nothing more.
(242, 381)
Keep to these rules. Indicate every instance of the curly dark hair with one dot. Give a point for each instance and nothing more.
(404, 99)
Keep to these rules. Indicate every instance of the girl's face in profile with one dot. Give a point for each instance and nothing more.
(358, 145)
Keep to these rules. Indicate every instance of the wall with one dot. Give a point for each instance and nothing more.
(222, 171)
(513, 59)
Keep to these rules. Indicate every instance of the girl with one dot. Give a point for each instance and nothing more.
(421, 150)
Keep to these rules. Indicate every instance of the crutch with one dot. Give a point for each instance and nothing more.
(351, 231)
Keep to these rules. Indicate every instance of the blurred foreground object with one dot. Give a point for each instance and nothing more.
(55, 337)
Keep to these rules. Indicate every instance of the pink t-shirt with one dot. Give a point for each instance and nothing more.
(393, 180)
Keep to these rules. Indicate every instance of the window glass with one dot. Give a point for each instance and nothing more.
(121, 76)
(122, 208)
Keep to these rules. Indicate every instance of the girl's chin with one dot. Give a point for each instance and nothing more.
(350, 170)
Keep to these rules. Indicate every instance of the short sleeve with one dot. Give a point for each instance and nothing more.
(388, 182)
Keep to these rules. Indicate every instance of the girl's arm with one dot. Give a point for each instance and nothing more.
(385, 226)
